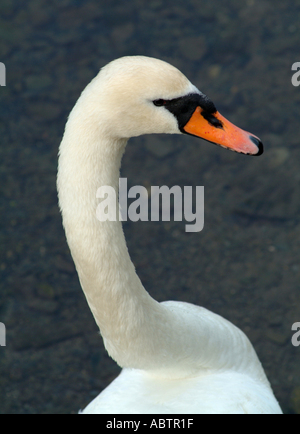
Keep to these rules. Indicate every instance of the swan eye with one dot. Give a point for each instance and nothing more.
(159, 102)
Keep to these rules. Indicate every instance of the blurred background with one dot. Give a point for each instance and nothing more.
(244, 265)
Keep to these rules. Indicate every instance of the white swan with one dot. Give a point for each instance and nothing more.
(177, 357)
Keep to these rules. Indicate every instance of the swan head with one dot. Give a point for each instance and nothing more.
(137, 95)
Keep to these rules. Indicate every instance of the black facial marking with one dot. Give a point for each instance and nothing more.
(184, 107)
(212, 120)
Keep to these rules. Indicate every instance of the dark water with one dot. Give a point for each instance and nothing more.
(244, 265)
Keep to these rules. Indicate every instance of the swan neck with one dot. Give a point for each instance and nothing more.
(121, 306)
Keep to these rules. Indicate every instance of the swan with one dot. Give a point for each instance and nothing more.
(176, 357)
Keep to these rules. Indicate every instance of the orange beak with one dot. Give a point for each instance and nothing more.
(216, 129)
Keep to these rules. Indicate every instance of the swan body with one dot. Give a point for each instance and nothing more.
(176, 357)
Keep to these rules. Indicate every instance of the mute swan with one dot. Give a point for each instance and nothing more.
(176, 357)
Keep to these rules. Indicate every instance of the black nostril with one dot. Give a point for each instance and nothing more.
(259, 144)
